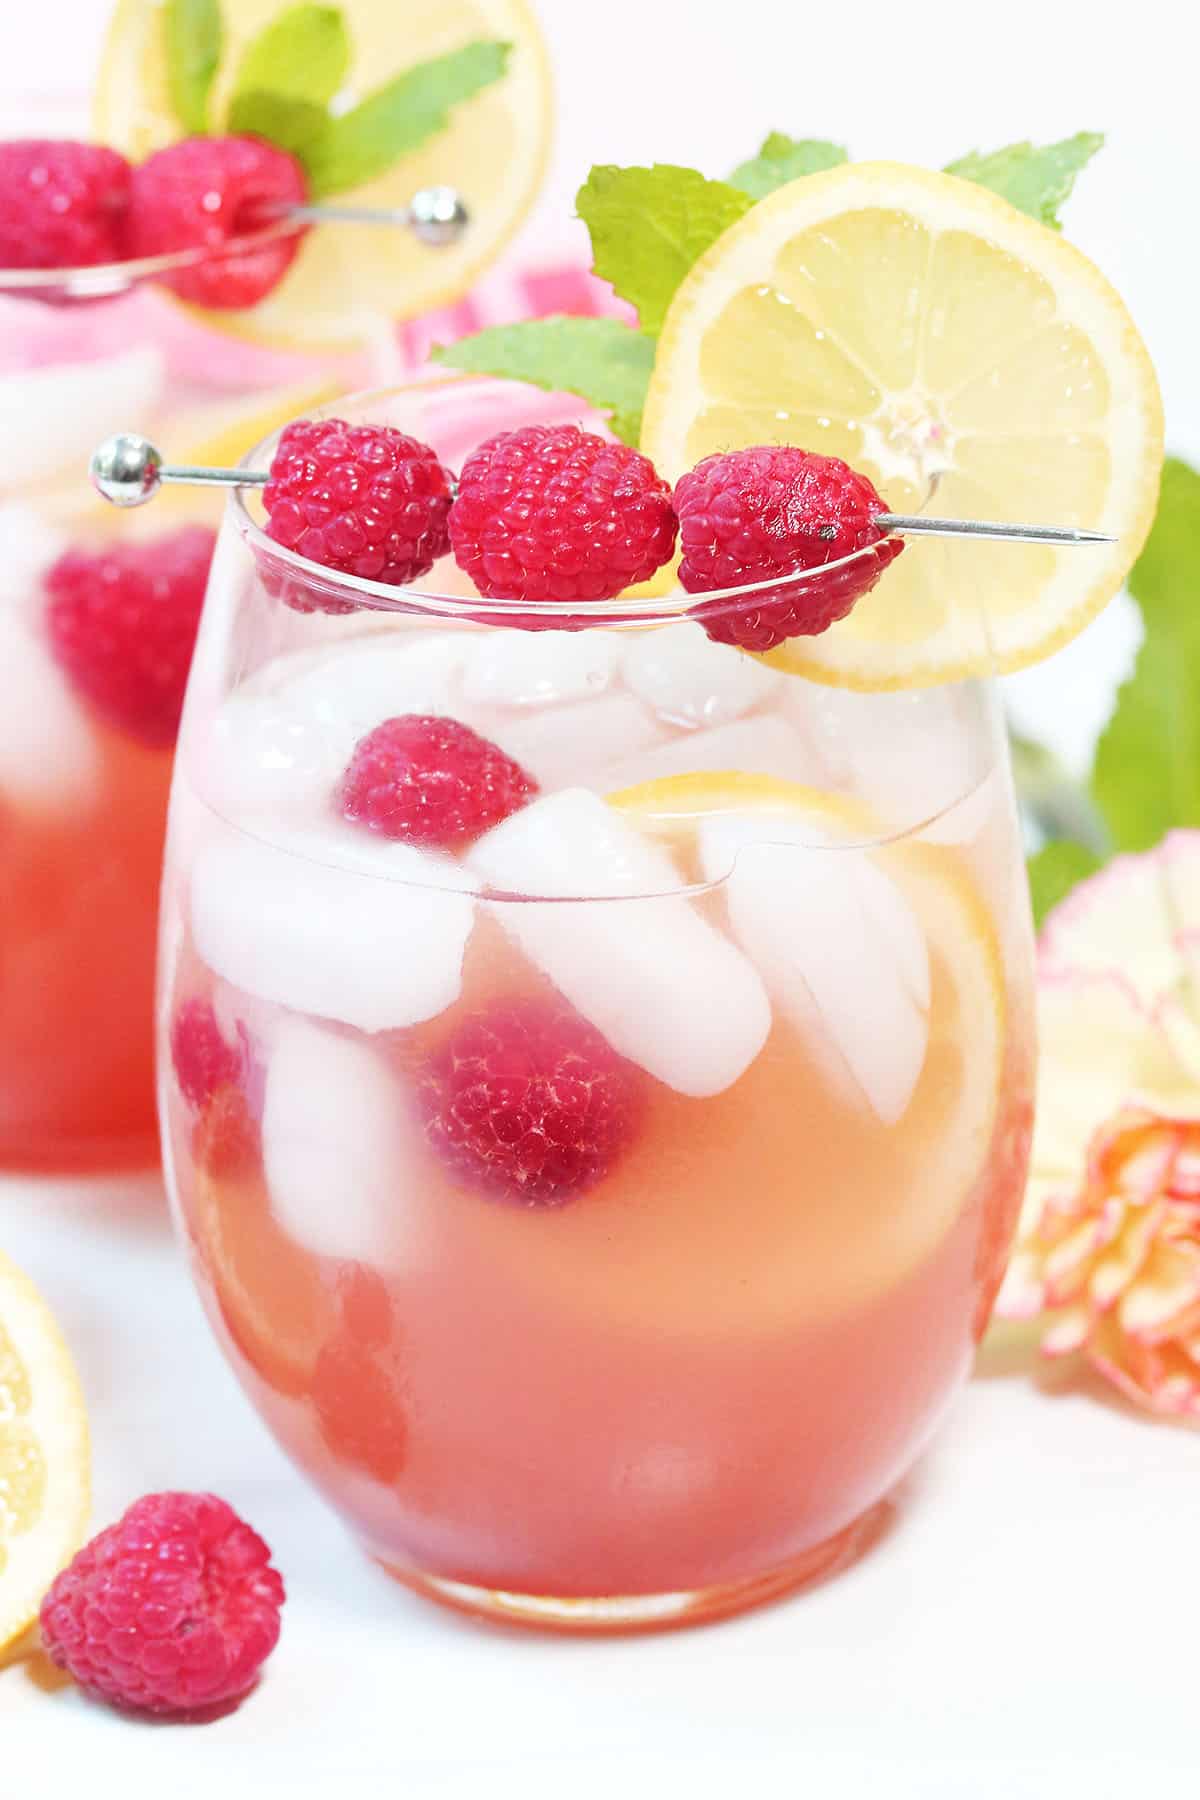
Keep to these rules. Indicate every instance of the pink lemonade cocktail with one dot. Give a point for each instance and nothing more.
(602, 1210)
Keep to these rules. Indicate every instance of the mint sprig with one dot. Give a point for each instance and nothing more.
(782, 159)
(192, 34)
(1034, 178)
(303, 54)
(289, 79)
(602, 360)
(649, 226)
(397, 118)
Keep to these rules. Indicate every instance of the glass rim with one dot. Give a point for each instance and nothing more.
(378, 596)
(97, 281)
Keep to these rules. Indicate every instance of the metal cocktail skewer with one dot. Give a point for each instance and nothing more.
(435, 215)
(128, 470)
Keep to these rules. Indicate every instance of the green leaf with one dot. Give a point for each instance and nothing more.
(398, 118)
(1146, 778)
(296, 125)
(1054, 871)
(648, 226)
(303, 54)
(782, 159)
(1035, 178)
(607, 363)
(192, 30)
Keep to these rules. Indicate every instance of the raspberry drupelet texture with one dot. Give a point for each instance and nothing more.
(528, 1103)
(365, 500)
(433, 781)
(201, 1056)
(122, 622)
(63, 205)
(172, 1610)
(748, 515)
(207, 193)
(554, 513)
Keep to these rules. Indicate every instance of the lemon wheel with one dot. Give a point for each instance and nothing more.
(968, 360)
(44, 1485)
(347, 276)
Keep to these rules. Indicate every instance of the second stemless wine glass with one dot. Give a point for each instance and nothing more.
(601, 1214)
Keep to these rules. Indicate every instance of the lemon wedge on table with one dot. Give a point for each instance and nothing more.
(44, 1481)
(493, 151)
(961, 355)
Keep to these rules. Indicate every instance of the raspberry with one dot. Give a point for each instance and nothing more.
(554, 513)
(528, 1103)
(207, 193)
(432, 781)
(227, 1137)
(201, 1058)
(751, 514)
(172, 1610)
(365, 500)
(122, 622)
(62, 205)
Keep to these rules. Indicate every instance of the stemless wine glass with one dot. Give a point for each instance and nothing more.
(601, 1212)
(89, 693)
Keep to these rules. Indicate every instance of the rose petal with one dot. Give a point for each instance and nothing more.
(1068, 1332)
(1166, 1290)
(1120, 919)
(1115, 1271)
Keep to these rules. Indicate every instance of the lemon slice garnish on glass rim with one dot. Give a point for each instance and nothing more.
(44, 1462)
(961, 355)
(493, 151)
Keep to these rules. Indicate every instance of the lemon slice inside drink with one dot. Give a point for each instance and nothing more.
(966, 359)
(345, 276)
(44, 1483)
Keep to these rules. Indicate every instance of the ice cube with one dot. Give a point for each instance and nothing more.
(762, 746)
(540, 668)
(338, 1143)
(565, 745)
(663, 985)
(48, 747)
(838, 945)
(910, 756)
(358, 688)
(264, 757)
(51, 419)
(689, 679)
(368, 933)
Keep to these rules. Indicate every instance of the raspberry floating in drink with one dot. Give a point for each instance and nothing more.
(431, 781)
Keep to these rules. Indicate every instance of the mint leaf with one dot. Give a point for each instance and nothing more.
(1146, 778)
(607, 363)
(397, 118)
(648, 226)
(1054, 871)
(1036, 179)
(192, 36)
(294, 124)
(303, 54)
(782, 159)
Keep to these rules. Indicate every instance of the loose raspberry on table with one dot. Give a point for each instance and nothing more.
(208, 193)
(365, 500)
(554, 513)
(428, 780)
(122, 622)
(748, 515)
(528, 1103)
(172, 1610)
(63, 205)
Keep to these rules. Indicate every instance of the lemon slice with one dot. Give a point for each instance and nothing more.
(968, 361)
(44, 1486)
(347, 276)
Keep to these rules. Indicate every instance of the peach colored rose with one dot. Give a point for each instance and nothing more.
(1108, 1249)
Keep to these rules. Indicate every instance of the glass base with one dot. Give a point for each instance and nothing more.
(627, 1613)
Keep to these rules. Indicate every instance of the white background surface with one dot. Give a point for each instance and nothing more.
(1028, 1628)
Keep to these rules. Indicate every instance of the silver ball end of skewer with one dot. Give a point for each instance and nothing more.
(126, 469)
(437, 216)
